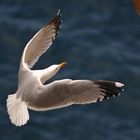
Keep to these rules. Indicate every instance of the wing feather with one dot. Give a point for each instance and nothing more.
(41, 41)
(67, 92)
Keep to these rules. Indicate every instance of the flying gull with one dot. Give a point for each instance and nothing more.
(34, 94)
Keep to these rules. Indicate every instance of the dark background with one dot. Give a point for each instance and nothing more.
(100, 39)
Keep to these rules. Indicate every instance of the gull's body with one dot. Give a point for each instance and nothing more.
(33, 94)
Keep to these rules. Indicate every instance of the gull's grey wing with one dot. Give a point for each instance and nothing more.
(41, 41)
(66, 92)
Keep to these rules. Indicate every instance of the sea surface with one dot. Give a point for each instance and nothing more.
(100, 39)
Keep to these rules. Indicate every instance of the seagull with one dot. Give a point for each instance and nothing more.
(34, 94)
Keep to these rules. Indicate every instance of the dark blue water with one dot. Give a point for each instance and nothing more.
(100, 39)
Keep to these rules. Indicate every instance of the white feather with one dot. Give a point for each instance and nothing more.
(17, 110)
(118, 84)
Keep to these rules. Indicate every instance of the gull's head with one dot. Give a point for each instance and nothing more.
(55, 68)
(52, 70)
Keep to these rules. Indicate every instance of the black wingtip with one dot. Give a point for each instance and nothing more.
(56, 21)
(109, 89)
(58, 12)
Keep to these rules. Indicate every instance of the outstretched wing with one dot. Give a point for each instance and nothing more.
(67, 92)
(41, 41)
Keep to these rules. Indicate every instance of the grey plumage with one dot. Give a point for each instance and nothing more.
(66, 92)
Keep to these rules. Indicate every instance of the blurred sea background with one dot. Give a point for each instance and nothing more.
(100, 39)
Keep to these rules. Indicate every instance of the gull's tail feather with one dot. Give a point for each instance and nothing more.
(17, 110)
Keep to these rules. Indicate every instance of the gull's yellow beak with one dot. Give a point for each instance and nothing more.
(62, 64)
